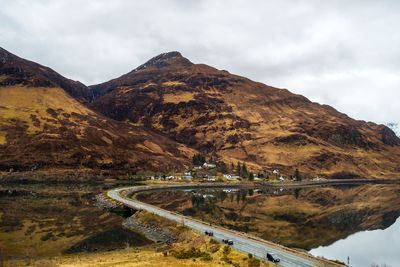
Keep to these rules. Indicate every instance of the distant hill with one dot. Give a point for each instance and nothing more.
(236, 119)
(45, 126)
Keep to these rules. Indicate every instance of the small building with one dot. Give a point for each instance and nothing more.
(211, 179)
(231, 177)
(188, 177)
(209, 165)
(198, 167)
(276, 171)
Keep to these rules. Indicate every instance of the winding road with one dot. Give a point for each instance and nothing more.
(241, 241)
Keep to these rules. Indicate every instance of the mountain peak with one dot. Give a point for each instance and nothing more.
(164, 60)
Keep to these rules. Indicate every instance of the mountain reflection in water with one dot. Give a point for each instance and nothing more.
(303, 218)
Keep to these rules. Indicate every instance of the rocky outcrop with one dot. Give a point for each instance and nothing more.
(152, 231)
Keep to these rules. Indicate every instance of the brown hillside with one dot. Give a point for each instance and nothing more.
(241, 120)
(43, 127)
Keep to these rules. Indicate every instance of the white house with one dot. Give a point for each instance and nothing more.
(276, 171)
(198, 167)
(231, 177)
(209, 165)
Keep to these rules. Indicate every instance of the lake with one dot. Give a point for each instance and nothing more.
(364, 248)
(48, 220)
(324, 220)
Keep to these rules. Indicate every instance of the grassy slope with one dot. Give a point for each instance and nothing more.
(150, 256)
(46, 125)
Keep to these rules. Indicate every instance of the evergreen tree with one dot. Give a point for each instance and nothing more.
(244, 170)
(251, 176)
(297, 175)
(238, 169)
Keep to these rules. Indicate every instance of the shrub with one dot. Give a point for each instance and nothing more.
(191, 253)
(253, 262)
(226, 250)
(214, 248)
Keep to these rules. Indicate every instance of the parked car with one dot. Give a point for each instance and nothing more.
(230, 242)
(209, 233)
(273, 257)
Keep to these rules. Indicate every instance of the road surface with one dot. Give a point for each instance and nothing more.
(241, 241)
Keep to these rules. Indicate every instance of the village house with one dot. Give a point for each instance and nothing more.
(209, 165)
(231, 177)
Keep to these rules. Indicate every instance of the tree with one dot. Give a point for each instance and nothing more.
(297, 175)
(251, 176)
(222, 167)
(198, 160)
(238, 168)
(244, 169)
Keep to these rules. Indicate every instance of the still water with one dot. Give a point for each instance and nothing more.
(366, 248)
(333, 222)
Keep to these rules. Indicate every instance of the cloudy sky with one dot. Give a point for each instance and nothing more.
(342, 53)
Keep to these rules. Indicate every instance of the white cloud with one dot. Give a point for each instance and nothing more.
(341, 53)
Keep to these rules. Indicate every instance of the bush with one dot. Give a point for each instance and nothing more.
(214, 248)
(213, 241)
(226, 250)
(191, 253)
(253, 262)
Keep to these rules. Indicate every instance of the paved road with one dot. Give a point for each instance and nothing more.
(241, 242)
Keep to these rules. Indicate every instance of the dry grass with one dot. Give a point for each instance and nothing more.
(20, 103)
(147, 256)
(178, 97)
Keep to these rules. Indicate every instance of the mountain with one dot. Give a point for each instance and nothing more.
(44, 125)
(395, 128)
(235, 119)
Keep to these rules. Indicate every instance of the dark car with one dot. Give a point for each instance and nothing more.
(273, 257)
(209, 233)
(227, 241)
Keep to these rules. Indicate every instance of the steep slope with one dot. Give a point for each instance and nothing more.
(237, 119)
(43, 127)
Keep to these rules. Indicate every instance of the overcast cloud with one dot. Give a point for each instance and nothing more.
(342, 53)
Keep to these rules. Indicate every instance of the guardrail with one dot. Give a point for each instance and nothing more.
(124, 192)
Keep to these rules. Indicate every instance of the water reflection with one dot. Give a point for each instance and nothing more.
(366, 248)
(303, 218)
